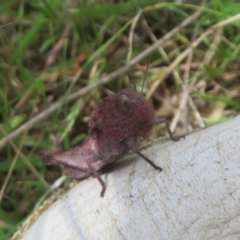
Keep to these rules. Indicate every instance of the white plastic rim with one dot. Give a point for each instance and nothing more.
(197, 196)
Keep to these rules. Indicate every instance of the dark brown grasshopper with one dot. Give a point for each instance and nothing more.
(115, 127)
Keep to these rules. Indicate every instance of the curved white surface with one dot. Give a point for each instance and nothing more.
(197, 196)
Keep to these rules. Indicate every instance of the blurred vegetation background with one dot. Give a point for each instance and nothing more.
(59, 58)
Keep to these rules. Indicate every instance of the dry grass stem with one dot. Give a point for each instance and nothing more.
(130, 39)
(103, 80)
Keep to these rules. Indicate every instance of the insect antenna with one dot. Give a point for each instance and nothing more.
(145, 74)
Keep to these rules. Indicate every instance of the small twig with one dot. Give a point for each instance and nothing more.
(160, 49)
(5, 25)
(210, 53)
(185, 88)
(30, 166)
(196, 113)
(53, 53)
(130, 39)
(190, 55)
(13, 163)
(19, 104)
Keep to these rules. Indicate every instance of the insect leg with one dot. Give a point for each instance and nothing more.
(96, 175)
(134, 148)
(164, 120)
